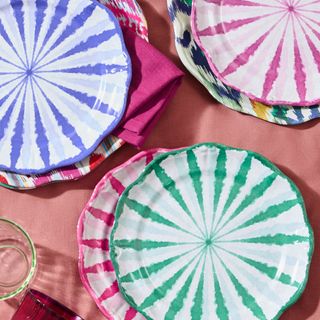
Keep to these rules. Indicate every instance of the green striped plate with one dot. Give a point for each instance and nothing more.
(211, 232)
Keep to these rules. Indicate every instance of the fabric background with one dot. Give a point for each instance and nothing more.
(50, 213)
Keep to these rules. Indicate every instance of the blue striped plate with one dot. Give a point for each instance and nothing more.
(64, 79)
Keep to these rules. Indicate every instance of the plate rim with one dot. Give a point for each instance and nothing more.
(33, 183)
(257, 156)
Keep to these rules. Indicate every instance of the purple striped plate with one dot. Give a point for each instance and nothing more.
(129, 14)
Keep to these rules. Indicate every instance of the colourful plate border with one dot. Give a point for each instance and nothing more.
(12, 180)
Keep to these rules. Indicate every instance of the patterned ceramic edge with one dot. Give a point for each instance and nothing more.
(129, 14)
(298, 76)
(264, 161)
(194, 60)
(33, 261)
(24, 182)
(116, 118)
(149, 154)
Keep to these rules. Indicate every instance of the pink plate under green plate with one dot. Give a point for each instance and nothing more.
(94, 229)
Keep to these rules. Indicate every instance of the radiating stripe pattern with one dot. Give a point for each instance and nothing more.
(73, 172)
(124, 11)
(129, 15)
(195, 61)
(211, 232)
(94, 229)
(64, 79)
(269, 51)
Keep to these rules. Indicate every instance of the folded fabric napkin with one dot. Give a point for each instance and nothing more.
(155, 79)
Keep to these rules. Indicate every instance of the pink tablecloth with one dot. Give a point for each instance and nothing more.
(50, 214)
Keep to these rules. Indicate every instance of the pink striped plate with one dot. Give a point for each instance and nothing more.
(269, 50)
(94, 229)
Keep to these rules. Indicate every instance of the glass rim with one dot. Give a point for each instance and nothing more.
(31, 272)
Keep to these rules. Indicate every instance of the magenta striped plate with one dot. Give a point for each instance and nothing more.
(94, 229)
(269, 50)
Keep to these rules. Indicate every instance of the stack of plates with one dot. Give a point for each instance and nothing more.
(65, 75)
(256, 58)
(205, 232)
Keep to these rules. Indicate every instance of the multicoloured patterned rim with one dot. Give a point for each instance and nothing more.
(129, 14)
(211, 230)
(64, 82)
(194, 60)
(73, 172)
(269, 52)
(94, 229)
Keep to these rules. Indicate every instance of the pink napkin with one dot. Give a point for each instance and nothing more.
(155, 80)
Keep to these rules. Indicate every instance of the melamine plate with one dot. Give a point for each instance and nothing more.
(211, 232)
(269, 51)
(129, 14)
(94, 228)
(64, 79)
(194, 60)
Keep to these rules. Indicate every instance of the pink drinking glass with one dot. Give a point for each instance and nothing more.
(38, 306)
